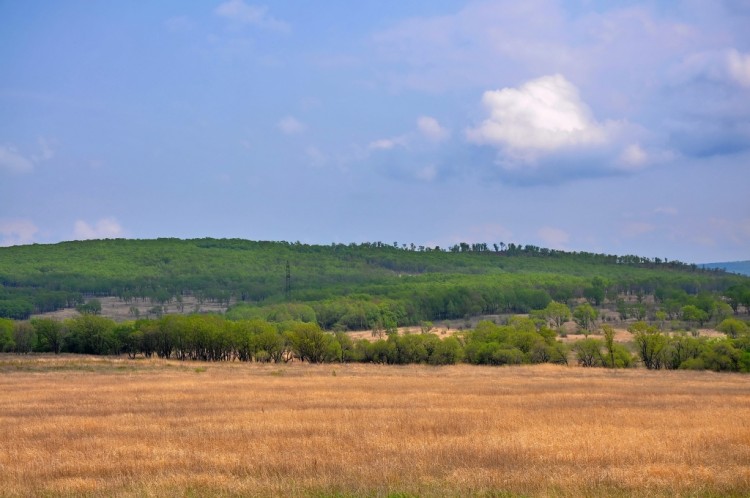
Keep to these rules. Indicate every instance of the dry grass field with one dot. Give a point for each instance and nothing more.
(81, 426)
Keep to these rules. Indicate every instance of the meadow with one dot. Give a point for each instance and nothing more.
(97, 426)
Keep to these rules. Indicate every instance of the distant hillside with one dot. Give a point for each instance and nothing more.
(415, 283)
(741, 267)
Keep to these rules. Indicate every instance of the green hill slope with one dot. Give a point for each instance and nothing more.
(418, 284)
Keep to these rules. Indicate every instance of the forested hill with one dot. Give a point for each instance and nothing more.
(421, 283)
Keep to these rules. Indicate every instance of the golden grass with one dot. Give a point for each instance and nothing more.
(110, 427)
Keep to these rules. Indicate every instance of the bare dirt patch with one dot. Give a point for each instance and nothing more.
(119, 310)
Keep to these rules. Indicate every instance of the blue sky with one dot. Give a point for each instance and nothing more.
(618, 127)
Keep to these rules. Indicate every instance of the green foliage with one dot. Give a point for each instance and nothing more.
(585, 316)
(733, 327)
(91, 307)
(370, 286)
(50, 335)
(738, 295)
(589, 352)
(446, 352)
(694, 314)
(7, 344)
(214, 338)
(556, 314)
(311, 344)
(273, 313)
(721, 356)
(17, 309)
(518, 342)
(429, 284)
(651, 344)
(90, 334)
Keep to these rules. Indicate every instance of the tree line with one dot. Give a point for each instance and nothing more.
(521, 340)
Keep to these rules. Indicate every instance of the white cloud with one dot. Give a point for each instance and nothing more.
(426, 174)
(46, 151)
(316, 157)
(430, 128)
(291, 126)
(738, 65)
(105, 228)
(637, 228)
(388, 143)
(541, 116)
(554, 238)
(633, 157)
(17, 232)
(14, 161)
(239, 12)
(726, 66)
(427, 127)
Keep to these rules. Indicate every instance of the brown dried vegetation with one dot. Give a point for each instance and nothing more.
(111, 427)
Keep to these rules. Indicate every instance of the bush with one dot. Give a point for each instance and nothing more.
(589, 352)
(732, 327)
(721, 356)
(446, 352)
(507, 357)
(693, 364)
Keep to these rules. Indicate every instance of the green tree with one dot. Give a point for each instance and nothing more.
(557, 314)
(312, 344)
(681, 349)
(23, 337)
(651, 344)
(585, 316)
(588, 352)
(446, 352)
(90, 334)
(722, 311)
(92, 307)
(609, 342)
(733, 328)
(6, 335)
(694, 314)
(50, 334)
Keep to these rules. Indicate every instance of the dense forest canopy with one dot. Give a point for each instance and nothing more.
(345, 284)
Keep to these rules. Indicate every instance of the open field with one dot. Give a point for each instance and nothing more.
(114, 427)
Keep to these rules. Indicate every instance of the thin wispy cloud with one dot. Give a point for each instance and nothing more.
(290, 125)
(17, 232)
(11, 160)
(14, 161)
(431, 129)
(105, 228)
(241, 13)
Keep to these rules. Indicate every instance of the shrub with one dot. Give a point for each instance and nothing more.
(507, 357)
(733, 327)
